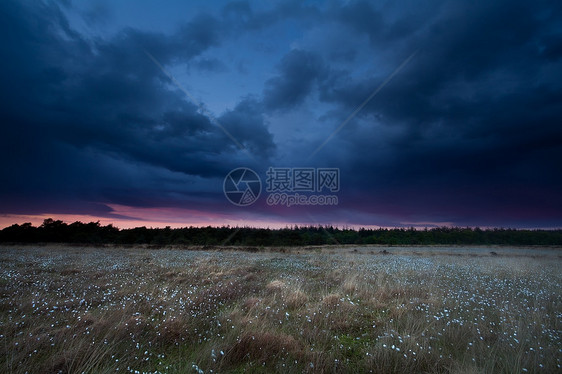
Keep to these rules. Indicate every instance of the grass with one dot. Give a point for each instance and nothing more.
(98, 310)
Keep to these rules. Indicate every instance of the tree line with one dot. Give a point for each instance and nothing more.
(56, 231)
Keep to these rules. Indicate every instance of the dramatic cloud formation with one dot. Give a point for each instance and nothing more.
(137, 117)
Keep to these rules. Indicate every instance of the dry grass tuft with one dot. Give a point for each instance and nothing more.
(351, 285)
(251, 303)
(332, 300)
(296, 299)
(275, 286)
(261, 347)
(173, 331)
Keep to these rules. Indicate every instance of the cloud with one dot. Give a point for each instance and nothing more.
(211, 65)
(298, 72)
(246, 122)
(474, 92)
(473, 114)
(75, 109)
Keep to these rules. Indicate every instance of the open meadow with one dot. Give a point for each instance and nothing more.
(318, 310)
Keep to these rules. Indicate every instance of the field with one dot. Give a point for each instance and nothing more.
(317, 310)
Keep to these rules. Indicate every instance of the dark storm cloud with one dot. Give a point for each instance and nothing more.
(475, 115)
(298, 72)
(73, 110)
(478, 102)
(246, 121)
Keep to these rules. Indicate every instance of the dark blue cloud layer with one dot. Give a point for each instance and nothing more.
(469, 132)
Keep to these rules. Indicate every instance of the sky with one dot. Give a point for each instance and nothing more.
(434, 113)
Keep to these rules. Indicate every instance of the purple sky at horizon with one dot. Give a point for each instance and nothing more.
(133, 113)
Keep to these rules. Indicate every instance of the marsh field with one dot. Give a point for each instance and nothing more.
(70, 309)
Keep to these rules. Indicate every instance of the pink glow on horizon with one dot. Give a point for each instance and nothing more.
(37, 220)
(177, 217)
(148, 217)
(126, 217)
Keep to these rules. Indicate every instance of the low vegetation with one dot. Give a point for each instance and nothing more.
(97, 310)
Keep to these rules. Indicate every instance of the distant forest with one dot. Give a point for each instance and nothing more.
(54, 231)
